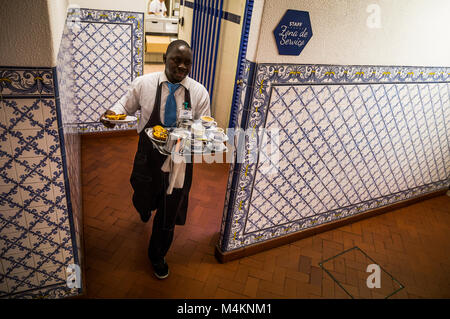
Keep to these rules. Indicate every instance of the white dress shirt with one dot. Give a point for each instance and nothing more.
(157, 7)
(142, 93)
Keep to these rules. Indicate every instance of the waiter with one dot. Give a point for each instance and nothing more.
(157, 7)
(160, 97)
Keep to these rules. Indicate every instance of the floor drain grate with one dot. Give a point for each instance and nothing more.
(360, 276)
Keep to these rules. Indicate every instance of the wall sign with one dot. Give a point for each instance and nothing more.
(293, 32)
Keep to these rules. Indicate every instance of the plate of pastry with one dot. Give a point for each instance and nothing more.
(157, 134)
(120, 118)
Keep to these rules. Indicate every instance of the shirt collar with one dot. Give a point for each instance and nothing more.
(163, 78)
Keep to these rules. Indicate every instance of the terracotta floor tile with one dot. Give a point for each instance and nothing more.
(411, 243)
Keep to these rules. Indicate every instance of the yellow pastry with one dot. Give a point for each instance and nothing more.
(160, 135)
(116, 117)
(207, 118)
(159, 128)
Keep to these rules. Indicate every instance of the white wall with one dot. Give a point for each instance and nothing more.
(57, 14)
(31, 32)
(228, 51)
(227, 56)
(255, 26)
(412, 33)
(185, 31)
(120, 5)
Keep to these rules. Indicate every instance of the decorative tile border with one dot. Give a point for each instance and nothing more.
(239, 119)
(268, 76)
(26, 81)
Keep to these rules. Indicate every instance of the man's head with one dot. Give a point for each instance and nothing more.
(178, 60)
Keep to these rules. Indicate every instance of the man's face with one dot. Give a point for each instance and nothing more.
(178, 63)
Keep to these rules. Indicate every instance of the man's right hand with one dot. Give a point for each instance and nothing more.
(107, 123)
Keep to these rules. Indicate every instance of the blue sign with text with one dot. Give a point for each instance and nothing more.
(293, 32)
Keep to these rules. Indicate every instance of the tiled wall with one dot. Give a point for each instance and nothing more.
(351, 138)
(36, 225)
(40, 185)
(108, 56)
(238, 121)
(42, 111)
(71, 139)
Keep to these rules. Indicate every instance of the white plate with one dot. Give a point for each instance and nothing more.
(128, 119)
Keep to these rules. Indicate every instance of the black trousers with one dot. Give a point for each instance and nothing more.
(172, 210)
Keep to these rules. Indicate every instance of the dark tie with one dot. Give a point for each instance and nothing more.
(170, 112)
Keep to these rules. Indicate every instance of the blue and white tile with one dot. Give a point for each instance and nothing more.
(3, 283)
(38, 194)
(51, 275)
(14, 243)
(12, 221)
(28, 143)
(26, 81)
(23, 114)
(3, 121)
(107, 54)
(10, 197)
(352, 145)
(48, 107)
(18, 263)
(5, 144)
(43, 217)
(7, 171)
(22, 281)
(44, 239)
(32, 170)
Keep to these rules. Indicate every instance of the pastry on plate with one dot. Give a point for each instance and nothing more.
(160, 133)
(159, 128)
(116, 117)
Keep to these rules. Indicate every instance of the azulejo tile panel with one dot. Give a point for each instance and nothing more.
(350, 139)
(35, 233)
(107, 56)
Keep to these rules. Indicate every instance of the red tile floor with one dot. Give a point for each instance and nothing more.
(412, 244)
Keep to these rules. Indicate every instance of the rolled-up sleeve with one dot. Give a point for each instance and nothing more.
(203, 107)
(129, 103)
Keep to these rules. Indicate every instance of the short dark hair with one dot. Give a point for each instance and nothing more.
(175, 44)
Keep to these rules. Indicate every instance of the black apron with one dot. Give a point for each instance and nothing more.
(150, 183)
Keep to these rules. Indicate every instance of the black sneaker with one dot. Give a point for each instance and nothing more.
(145, 217)
(161, 269)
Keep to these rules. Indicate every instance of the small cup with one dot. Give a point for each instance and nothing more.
(208, 121)
(198, 129)
(219, 136)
